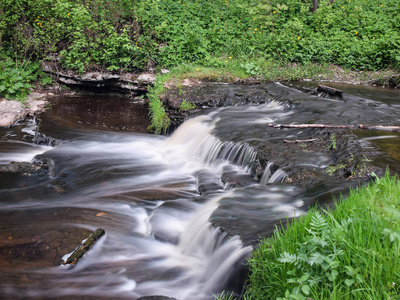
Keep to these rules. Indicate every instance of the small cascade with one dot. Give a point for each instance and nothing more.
(215, 252)
(266, 174)
(278, 176)
(195, 135)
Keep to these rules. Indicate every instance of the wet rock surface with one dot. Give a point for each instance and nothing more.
(345, 156)
(12, 111)
(202, 96)
(23, 168)
(28, 168)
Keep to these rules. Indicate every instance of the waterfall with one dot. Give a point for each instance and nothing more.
(266, 174)
(198, 141)
(278, 176)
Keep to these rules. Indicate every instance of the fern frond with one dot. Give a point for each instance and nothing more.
(319, 241)
(286, 257)
(318, 223)
(316, 259)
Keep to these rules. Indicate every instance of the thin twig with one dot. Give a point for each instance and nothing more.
(299, 141)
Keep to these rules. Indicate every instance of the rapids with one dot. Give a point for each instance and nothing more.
(181, 213)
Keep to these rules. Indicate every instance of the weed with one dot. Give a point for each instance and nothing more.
(185, 106)
(332, 169)
(225, 296)
(332, 144)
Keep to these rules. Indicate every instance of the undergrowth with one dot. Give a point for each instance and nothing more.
(16, 78)
(133, 35)
(348, 252)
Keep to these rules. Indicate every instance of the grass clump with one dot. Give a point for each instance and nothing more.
(185, 106)
(159, 119)
(348, 252)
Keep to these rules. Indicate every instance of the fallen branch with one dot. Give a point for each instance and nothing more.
(310, 126)
(299, 141)
(380, 127)
(84, 247)
(361, 126)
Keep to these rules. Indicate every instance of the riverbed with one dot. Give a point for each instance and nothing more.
(181, 212)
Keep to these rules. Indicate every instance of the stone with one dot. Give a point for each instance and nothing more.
(127, 83)
(11, 112)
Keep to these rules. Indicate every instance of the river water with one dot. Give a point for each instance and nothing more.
(181, 213)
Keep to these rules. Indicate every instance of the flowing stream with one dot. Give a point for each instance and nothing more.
(181, 213)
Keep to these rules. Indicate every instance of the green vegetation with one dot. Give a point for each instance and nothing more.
(348, 252)
(225, 296)
(185, 106)
(16, 78)
(158, 116)
(256, 37)
(333, 142)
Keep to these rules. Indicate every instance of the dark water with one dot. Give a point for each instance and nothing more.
(167, 203)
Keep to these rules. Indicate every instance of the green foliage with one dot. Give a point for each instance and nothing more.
(139, 34)
(185, 106)
(15, 79)
(251, 68)
(332, 142)
(332, 169)
(225, 296)
(158, 116)
(349, 252)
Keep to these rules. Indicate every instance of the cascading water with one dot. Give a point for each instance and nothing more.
(149, 248)
(180, 212)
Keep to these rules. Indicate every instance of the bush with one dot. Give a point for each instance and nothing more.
(135, 35)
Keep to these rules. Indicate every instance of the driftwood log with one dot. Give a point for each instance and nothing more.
(329, 90)
(322, 126)
(84, 247)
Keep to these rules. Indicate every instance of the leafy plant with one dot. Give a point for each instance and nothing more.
(15, 79)
(251, 68)
(185, 106)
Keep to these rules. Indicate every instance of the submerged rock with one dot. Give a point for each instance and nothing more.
(24, 168)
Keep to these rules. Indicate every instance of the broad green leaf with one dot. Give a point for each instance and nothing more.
(349, 282)
(305, 289)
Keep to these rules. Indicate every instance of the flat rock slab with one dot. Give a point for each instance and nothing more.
(11, 111)
(128, 83)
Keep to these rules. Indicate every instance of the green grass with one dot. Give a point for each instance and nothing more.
(348, 252)
(158, 117)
